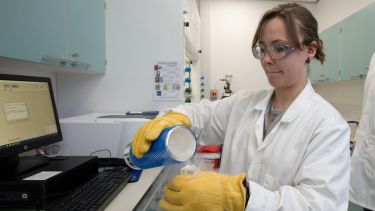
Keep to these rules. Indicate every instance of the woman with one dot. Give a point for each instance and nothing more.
(283, 149)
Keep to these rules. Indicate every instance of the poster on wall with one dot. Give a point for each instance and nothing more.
(168, 81)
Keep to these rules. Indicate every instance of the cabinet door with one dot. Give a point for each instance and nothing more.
(331, 43)
(370, 35)
(353, 46)
(32, 29)
(315, 71)
(86, 41)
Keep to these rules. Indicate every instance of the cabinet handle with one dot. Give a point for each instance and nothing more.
(358, 76)
(53, 60)
(75, 55)
(80, 65)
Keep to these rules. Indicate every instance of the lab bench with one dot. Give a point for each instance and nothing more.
(129, 197)
(145, 194)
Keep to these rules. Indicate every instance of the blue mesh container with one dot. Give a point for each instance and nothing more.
(174, 144)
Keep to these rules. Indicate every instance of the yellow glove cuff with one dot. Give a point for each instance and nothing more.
(235, 191)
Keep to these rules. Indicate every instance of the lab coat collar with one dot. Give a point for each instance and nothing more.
(295, 108)
(299, 104)
(262, 105)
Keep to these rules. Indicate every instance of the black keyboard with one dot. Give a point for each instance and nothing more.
(97, 192)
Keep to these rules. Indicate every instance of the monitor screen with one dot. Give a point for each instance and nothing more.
(28, 116)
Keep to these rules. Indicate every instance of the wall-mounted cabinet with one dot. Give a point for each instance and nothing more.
(65, 33)
(352, 46)
(330, 70)
(349, 46)
(32, 29)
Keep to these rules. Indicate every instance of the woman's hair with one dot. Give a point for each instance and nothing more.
(294, 16)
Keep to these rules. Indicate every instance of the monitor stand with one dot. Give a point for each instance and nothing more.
(18, 165)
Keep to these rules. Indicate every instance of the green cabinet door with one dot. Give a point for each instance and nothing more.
(330, 68)
(370, 35)
(315, 71)
(86, 41)
(353, 46)
(32, 29)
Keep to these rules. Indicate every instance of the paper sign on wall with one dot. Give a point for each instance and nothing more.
(168, 81)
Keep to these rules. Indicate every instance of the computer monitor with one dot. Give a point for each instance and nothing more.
(28, 120)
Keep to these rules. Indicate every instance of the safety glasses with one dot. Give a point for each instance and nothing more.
(275, 51)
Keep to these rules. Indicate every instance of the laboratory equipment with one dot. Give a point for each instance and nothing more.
(227, 91)
(213, 94)
(103, 137)
(187, 84)
(202, 87)
(207, 157)
(353, 125)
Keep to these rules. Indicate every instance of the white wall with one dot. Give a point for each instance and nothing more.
(329, 12)
(138, 33)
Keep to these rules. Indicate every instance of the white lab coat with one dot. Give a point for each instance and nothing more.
(303, 164)
(362, 175)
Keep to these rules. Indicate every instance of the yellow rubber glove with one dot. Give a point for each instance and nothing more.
(151, 130)
(205, 191)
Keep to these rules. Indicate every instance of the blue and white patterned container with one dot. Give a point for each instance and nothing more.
(174, 144)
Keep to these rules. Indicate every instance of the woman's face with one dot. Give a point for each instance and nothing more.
(290, 71)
